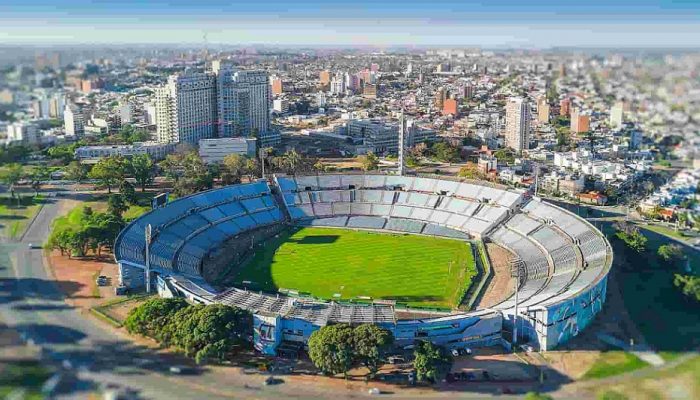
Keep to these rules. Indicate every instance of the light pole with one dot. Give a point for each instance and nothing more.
(515, 320)
(148, 258)
(262, 161)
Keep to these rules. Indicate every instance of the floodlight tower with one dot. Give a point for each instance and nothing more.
(402, 143)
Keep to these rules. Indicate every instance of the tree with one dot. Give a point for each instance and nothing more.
(331, 349)
(370, 343)
(142, 168)
(39, 175)
(59, 241)
(116, 205)
(504, 156)
(688, 284)
(445, 152)
(12, 174)
(292, 161)
(670, 253)
(470, 171)
(631, 236)
(233, 168)
(65, 153)
(252, 168)
(212, 331)
(173, 165)
(150, 317)
(127, 192)
(319, 166)
(75, 171)
(370, 162)
(109, 171)
(196, 176)
(430, 361)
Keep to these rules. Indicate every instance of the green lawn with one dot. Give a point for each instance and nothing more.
(23, 375)
(14, 218)
(411, 269)
(664, 230)
(614, 363)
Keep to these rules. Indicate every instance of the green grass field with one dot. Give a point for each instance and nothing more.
(614, 363)
(15, 217)
(411, 269)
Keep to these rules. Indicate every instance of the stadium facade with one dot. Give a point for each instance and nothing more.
(561, 260)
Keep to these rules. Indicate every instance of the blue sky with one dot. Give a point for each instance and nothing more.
(494, 23)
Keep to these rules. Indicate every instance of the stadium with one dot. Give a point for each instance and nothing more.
(405, 253)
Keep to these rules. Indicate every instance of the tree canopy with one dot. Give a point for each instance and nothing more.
(430, 361)
(631, 236)
(109, 171)
(335, 349)
(151, 316)
(142, 168)
(369, 161)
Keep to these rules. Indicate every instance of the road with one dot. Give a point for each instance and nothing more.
(87, 352)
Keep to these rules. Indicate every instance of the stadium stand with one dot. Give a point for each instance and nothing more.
(562, 260)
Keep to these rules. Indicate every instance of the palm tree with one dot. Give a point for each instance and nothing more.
(292, 160)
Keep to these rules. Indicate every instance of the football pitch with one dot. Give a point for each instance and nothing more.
(331, 263)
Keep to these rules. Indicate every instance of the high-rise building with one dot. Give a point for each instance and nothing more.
(517, 124)
(24, 132)
(468, 91)
(338, 85)
(369, 91)
(542, 110)
(565, 107)
(57, 103)
(74, 122)
(186, 108)
(324, 77)
(40, 107)
(580, 122)
(321, 99)
(440, 96)
(125, 113)
(244, 102)
(616, 113)
(276, 84)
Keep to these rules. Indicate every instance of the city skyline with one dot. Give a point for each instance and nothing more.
(503, 24)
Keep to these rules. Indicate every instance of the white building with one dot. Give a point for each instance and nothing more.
(338, 85)
(616, 113)
(150, 113)
(186, 108)
(244, 101)
(125, 113)
(73, 121)
(320, 99)
(517, 124)
(92, 154)
(280, 105)
(214, 150)
(23, 132)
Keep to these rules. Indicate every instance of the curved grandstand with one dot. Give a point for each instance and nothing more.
(562, 261)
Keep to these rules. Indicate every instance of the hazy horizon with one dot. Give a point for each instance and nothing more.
(442, 23)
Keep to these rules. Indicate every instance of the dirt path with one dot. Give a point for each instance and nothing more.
(502, 284)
